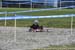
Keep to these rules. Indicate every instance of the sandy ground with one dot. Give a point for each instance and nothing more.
(23, 40)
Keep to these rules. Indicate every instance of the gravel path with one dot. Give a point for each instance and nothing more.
(32, 40)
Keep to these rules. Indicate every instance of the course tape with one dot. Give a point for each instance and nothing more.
(33, 10)
(31, 17)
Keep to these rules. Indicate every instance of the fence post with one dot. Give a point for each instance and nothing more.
(71, 24)
(5, 18)
(15, 29)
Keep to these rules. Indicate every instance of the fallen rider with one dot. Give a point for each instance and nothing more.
(35, 27)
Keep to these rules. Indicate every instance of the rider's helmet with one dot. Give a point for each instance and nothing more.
(35, 22)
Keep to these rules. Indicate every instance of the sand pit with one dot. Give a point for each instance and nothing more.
(32, 40)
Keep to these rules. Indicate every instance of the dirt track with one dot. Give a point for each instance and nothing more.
(31, 40)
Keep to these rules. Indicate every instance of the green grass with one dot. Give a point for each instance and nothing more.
(58, 47)
(48, 22)
(12, 9)
(15, 9)
(50, 12)
(51, 22)
(40, 13)
(3, 15)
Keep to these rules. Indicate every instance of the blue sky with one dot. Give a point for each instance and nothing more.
(39, 0)
(42, 0)
(32, 0)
